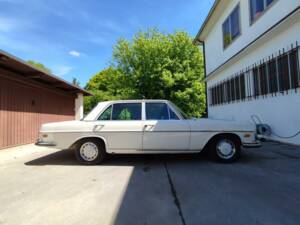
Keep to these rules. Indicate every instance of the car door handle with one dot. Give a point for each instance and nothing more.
(98, 127)
(148, 127)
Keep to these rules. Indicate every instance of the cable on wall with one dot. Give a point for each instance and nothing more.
(265, 129)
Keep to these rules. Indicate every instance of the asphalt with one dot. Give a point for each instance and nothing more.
(40, 186)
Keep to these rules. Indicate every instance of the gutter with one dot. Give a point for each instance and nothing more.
(197, 41)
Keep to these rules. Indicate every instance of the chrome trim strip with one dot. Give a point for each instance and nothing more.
(169, 131)
(41, 143)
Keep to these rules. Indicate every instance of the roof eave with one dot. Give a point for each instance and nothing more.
(76, 88)
(197, 39)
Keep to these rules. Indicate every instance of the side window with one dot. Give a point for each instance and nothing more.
(106, 115)
(173, 116)
(127, 111)
(257, 7)
(231, 27)
(157, 111)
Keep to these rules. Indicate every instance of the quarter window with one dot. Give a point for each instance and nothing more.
(173, 115)
(231, 27)
(106, 115)
(127, 111)
(257, 7)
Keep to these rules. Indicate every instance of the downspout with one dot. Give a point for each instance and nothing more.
(205, 84)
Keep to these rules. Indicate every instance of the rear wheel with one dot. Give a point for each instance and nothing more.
(225, 148)
(90, 152)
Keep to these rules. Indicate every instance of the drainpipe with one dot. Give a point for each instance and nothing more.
(204, 62)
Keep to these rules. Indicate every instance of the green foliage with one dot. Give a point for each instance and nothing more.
(125, 115)
(153, 66)
(39, 66)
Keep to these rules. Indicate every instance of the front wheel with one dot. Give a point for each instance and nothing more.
(225, 149)
(90, 152)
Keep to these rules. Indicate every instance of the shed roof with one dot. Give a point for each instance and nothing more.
(19, 66)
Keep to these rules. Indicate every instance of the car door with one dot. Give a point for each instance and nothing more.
(163, 130)
(122, 127)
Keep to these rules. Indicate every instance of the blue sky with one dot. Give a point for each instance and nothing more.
(75, 38)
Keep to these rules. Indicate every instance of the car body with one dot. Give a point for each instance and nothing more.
(144, 127)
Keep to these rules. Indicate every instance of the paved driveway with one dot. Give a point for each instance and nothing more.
(45, 186)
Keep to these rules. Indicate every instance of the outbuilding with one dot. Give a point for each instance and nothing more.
(30, 97)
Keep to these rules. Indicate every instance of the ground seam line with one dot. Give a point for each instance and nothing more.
(174, 194)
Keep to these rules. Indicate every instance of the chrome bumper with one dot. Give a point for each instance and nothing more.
(256, 144)
(43, 143)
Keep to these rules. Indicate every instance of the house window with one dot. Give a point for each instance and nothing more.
(257, 7)
(231, 27)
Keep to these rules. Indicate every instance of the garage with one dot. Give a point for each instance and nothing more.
(30, 97)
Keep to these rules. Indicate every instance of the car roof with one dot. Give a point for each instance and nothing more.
(136, 101)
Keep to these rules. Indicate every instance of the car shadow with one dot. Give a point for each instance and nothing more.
(67, 157)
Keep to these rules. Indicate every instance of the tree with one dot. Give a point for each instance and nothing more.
(155, 66)
(39, 66)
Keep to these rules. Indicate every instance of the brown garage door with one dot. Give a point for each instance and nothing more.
(23, 108)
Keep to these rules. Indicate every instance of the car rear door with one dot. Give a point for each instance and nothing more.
(122, 127)
(163, 130)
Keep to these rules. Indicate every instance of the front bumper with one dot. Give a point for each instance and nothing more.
(256, 144)
(44, 143)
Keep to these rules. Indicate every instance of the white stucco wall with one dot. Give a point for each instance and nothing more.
(216, 55)
(282, 111)
(79, 106)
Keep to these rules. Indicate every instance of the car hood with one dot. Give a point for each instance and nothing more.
(220, 125)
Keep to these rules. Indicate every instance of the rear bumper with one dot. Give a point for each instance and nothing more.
(43, 143)
(256, 144)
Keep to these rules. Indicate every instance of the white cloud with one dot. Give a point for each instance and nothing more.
(63, 70)
(74, 53)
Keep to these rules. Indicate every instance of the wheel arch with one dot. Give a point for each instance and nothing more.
(78, 140)
(218, 135)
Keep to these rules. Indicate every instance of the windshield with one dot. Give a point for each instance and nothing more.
(183, 115)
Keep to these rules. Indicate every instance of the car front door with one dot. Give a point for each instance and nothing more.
(122, 127)
(163, 130)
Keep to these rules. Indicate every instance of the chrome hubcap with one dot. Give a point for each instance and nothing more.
(226, 149)
(89, 151)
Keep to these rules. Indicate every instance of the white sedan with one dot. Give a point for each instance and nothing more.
(146, 127)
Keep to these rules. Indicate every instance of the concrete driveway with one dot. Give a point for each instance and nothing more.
(45, 186)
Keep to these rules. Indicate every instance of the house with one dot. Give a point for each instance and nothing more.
(251, 52)
(30, 97)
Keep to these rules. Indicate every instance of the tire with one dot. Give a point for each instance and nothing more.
(90, 152)
(225, 149)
